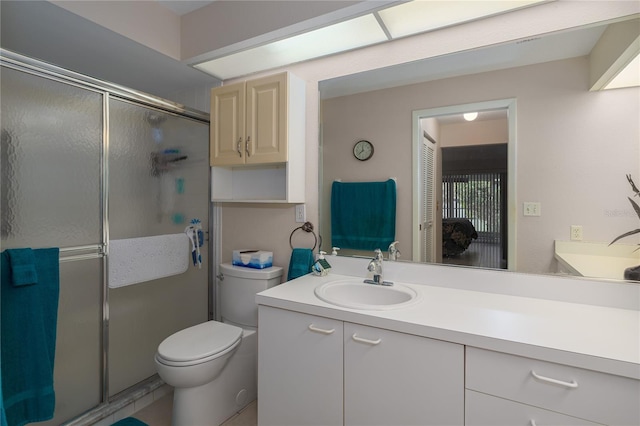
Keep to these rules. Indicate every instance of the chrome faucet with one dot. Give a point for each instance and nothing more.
(375, 266)
(394, 253)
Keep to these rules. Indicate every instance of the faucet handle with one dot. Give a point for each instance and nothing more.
(378, 254)
(394, 253)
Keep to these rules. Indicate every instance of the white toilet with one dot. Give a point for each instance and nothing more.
(213, 366)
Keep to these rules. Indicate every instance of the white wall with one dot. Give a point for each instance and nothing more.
(146, 22)
(484, 132)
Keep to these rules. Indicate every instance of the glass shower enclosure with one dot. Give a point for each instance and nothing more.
(85, 163)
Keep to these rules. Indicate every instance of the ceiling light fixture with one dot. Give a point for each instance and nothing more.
(470, 116)
(401, 20)
(419, 16)
(347, 35)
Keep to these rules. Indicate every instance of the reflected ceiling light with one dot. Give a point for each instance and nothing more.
(405, 19)
(629, 76)
(470, 116)
(347, 35)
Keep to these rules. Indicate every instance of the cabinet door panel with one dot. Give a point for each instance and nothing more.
(487, 410)
(227, 125)
(401, 379)
(267, 119)
(299, 369)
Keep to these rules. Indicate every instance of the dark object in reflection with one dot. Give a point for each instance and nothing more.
(457, 235)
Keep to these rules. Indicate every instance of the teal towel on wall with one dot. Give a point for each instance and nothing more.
(23, 268)
(363, 214)
(29, 315)
(300, 263)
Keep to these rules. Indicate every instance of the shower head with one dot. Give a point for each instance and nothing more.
(155, 119)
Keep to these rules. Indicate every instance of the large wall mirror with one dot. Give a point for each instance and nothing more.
(546, 158)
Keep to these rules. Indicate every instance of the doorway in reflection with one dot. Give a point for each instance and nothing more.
(474, 217)
(465, 190)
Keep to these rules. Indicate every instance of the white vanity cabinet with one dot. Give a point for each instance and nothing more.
(394, 378)
(319, 371)
(299, 369)
(505, 389)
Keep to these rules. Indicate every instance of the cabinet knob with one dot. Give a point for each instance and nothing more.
(246, 146)
(238, 146)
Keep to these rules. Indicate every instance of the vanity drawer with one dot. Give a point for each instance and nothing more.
(598, 397)
(486, 410)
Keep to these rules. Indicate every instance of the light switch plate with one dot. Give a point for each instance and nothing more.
(301, 214)
(532, 208)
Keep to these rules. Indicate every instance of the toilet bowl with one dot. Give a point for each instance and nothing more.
(213, 365)
(196, 355)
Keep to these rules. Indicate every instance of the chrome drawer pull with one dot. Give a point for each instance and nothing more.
(321, 330)
(571, 385)
(367, 341)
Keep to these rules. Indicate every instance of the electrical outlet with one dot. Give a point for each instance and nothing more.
(576, 232)
(531, 209)
(301, 215)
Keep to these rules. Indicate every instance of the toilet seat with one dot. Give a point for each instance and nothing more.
(198, 344)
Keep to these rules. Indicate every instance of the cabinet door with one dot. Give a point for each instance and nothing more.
(299, 369)
(267, 109)
(228, 125)
(393, 378)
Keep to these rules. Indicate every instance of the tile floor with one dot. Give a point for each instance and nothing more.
(159, 414)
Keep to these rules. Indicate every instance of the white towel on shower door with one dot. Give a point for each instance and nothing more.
(137, 260)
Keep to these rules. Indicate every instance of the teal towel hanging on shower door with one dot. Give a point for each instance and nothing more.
(29, 315)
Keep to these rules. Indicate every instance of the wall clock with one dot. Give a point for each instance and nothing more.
(363, 150)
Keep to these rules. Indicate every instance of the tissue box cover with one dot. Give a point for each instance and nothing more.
(258, 259)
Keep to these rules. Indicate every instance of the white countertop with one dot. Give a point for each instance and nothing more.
(600, 338)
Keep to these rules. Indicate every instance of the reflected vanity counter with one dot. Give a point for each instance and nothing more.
(521, 345)
(598, 260)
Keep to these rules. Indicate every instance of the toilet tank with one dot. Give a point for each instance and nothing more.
(238, 290)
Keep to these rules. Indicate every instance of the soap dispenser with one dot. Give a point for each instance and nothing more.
(321, 267)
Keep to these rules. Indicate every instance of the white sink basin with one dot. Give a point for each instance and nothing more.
(357, 294)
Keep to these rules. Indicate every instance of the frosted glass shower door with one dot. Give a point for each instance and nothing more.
(158, 182)
(51, 164)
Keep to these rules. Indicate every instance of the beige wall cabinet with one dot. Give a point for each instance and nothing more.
(257, 140)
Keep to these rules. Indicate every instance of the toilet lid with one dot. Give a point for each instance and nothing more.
(199, 341)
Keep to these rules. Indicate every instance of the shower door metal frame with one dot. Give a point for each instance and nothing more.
(108, 90)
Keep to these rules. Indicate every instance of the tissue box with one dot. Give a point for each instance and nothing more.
(257, 259)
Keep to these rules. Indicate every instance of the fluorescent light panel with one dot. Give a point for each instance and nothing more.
(358, 32)
(401, 20)
(420, 16)
(629, 76)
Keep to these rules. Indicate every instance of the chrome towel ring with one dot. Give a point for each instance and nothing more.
(306, 227)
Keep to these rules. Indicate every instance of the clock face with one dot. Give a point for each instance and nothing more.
(363, 150)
